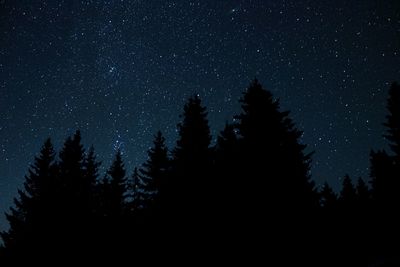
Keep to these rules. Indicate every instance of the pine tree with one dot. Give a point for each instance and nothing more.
(226, 182)
(385, 168)
(154, 169)
(363, 194)
(104, 196)
(348, 195)
(192, 148)
(393, 120)
(328, 197)
(117, 183)
(227, 140)
(71, 177)
(137, 188)
(385, 174)
(191, 159)
(31, 214)
(273, 159)
(91, 174)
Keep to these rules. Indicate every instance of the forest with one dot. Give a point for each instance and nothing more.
(249, 199)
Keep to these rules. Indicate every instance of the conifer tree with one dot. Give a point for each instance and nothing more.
(138, 191)
(117, 182)
(385, 168)
(363, 194)
(154, 170)
(191, 159)
(274, 161)
(393, 120)
(32, 211)
(91, 174)
(72, 184)
(348, 194)
(328, 197)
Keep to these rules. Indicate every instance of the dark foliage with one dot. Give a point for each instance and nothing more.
(247, 199)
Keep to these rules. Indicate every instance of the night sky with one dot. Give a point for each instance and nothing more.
(121, 70)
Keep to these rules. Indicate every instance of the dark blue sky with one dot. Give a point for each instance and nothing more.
(120, 70)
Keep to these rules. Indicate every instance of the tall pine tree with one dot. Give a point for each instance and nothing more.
(191, 160)
(72, 184)
(328, 198)
(393, 120)
(385, 168)
(154, 170)
(139, 198)
(275, 164)
(31, 216)
(348, 195)
(90, 181)
(117, 183)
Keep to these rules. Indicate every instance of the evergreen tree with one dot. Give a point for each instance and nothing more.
(363, 194)
(393, 120)
(328, 197)
(227, 140)
(117, 183)
(71, 177)
(192, 148)
(273, 159)
(104, 196)
(348, 195)
(226, 182)
(153, 171)
(138, 191)
(91, 174)
(382, 172)
(385, 168)
(191, 159)
(31, 214)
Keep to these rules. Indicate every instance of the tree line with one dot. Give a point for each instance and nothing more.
(249, 197)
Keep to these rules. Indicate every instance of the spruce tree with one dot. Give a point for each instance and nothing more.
(137, 187)
(328, 197)
(91, 174)
(117, 182)
(32, 212)
(191, 159)
(348, 194)
(154, 170)
(393, 120)
(385, 168)
(72, 182)
(226, 182)
(363, 194)
(274, 161)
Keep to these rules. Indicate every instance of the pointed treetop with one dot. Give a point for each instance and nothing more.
(393, 119)
(348, 192)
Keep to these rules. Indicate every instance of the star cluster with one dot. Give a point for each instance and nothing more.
(120, 70)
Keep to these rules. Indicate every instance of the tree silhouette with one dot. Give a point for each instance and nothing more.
(363, 194)
(154, 170)
(328, 197)
(137, 188)
(393, 119)
(191, 159)
(31, 214)
(385, 168)
(72, 184)
(90, 181)
(271, 154)
(348, 195)
(385, 174)
(117, 183)
(226, 182)
(254, 183)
